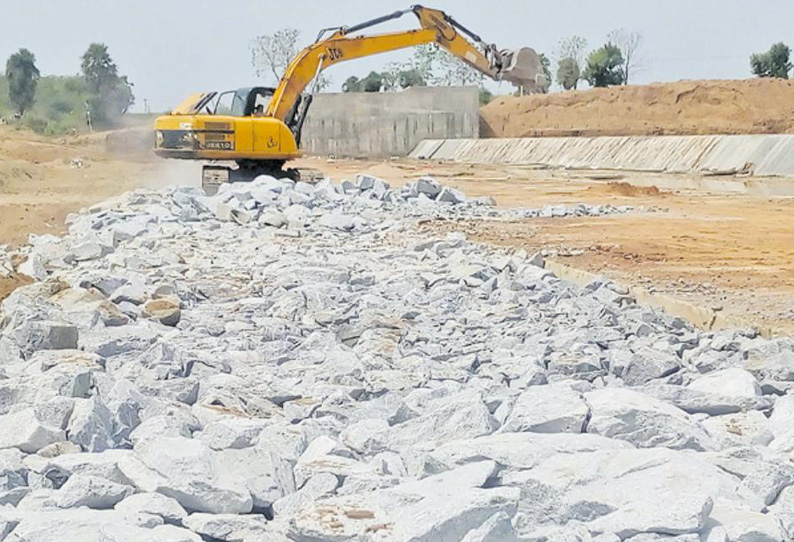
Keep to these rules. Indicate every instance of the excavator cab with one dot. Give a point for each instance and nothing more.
(242, 102)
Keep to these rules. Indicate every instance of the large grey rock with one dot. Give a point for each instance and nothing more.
(733, 382)
(695, 401)
(154, 504)
(337, 221)
(680, 515)
(555, 408)
(232, 432)
(785, 513)
(25, 431)
(86, 525)
(461, 416)
(91, 492)
(104, 465)
(781, 425)
(233, 528)
(497, 528)
(13, 477)
(267, 476)
(428, 187)
(647, 364)
(91, 425)
(188, 471)
(762, 485)
(316, 487)
(644, 421)
(778, 366)
(450, 195)
(325, 455)
(592, 486)
(744, 525)
(45, 335)
(442, 508)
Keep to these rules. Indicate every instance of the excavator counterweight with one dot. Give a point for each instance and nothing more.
(259, 128)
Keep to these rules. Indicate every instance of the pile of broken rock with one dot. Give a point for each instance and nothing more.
(296, 362)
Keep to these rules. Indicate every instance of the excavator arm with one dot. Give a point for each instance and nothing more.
(339, 46)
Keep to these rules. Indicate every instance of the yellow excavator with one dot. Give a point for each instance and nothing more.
(259, 128)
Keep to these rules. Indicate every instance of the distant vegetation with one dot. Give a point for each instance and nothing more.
(22, 77)
(58, 107)
(611, 64)
(54, 105)
(773, 63)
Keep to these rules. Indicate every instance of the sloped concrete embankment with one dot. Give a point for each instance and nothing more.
(753, 155)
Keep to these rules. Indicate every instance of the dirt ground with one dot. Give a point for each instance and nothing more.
(750, 106)
(730, 252)
(42, 180)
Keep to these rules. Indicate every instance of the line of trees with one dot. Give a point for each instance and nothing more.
(611, 64)
(428, 65)
(109, 94)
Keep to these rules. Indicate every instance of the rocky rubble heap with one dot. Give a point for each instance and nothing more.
(285, 362)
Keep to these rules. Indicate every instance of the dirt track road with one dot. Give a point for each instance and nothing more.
(735, 253)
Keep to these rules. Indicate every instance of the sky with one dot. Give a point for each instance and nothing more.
(170, 48)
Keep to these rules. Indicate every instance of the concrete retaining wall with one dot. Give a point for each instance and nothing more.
(365, 124)
(762, 155)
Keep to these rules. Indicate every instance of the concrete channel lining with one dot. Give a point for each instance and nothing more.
(760, 155)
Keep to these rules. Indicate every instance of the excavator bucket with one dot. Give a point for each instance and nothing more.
(522, 67)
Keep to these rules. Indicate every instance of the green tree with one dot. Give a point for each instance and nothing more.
(545, 63)
(773, 63)
(604, 66)
(23, 76)
(411, 78)
(98, 68)
(568, 73)
(111, 94)
(352, 84)
(391, 76)
(372, 82)
(571, 52)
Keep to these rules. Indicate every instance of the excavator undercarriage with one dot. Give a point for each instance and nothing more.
(215, 174)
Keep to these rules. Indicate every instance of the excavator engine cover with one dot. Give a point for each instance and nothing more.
(524, 69)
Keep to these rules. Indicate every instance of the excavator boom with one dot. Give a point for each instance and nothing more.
(436, 27)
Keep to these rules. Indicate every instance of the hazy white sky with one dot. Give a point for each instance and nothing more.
(170, 48)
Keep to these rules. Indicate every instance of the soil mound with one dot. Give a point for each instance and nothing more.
(751, 106)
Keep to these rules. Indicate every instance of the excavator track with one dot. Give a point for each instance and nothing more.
(214, 175)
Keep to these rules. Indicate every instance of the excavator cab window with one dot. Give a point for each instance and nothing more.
(256, 99)
(224, 104)
(242, 102)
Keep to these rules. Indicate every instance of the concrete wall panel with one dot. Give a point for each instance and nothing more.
(382, 124)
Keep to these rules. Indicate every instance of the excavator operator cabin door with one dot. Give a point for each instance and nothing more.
(265, 130)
